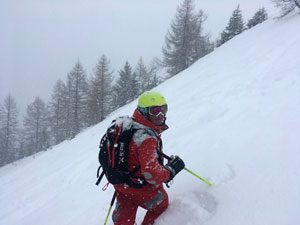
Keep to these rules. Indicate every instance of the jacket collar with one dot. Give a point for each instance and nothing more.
(138, 117)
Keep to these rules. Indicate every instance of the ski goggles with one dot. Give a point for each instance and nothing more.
(158, 110)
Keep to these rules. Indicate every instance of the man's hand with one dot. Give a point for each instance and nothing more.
(175, 165)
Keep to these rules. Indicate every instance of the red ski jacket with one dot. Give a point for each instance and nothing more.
(143, 153)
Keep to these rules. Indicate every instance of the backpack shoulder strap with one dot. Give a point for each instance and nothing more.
(141, 133)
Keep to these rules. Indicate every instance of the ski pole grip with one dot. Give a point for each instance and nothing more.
(191, 172)
(165, 156)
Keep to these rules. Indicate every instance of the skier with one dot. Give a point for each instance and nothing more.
(144, 154)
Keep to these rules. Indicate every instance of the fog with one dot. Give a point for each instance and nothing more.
(41, 40)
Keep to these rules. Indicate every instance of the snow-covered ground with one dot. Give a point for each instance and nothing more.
(234, 118)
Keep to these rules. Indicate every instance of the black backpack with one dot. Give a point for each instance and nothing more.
(113, 154)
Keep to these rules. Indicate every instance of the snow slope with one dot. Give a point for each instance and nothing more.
(234, 118)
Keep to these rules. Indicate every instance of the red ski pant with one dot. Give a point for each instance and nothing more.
(127, 204)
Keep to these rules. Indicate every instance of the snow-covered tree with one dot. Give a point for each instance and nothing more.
(35, 132)
(2, 151)
(287, 6)
(125, 89)
(143, 76)
(202, 45)
(58, 113)
(235, 26)
(100, 92)
(180, 38)
(260, 16)
(77, 91)
(8, 130)
(134, 87)
(185, 41)
(147, 75)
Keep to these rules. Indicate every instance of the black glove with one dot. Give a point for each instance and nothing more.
(175, 165)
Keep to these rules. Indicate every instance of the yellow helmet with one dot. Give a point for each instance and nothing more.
(151, 98)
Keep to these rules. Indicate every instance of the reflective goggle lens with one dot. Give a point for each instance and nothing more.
(157, 110)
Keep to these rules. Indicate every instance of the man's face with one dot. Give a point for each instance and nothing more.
(159, 120)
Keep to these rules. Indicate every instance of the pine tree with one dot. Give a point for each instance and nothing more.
(184, 39)
(235, 26)
(259, 17)
(68, 109)
(178, 48)
(100, 92)
(2, 150)
(58, 113)
(154, 68)
(202, 44)
(154, 81)
(124, 90)
(134, 87)
(147, 76)
(77, 91)
(9, 130)
(35, 132)
(287, 6)
(143, 76)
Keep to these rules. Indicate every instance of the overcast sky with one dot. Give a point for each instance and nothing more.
(40, 41)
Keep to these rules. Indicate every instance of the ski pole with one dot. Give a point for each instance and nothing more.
(191, 172)
(111, 204)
